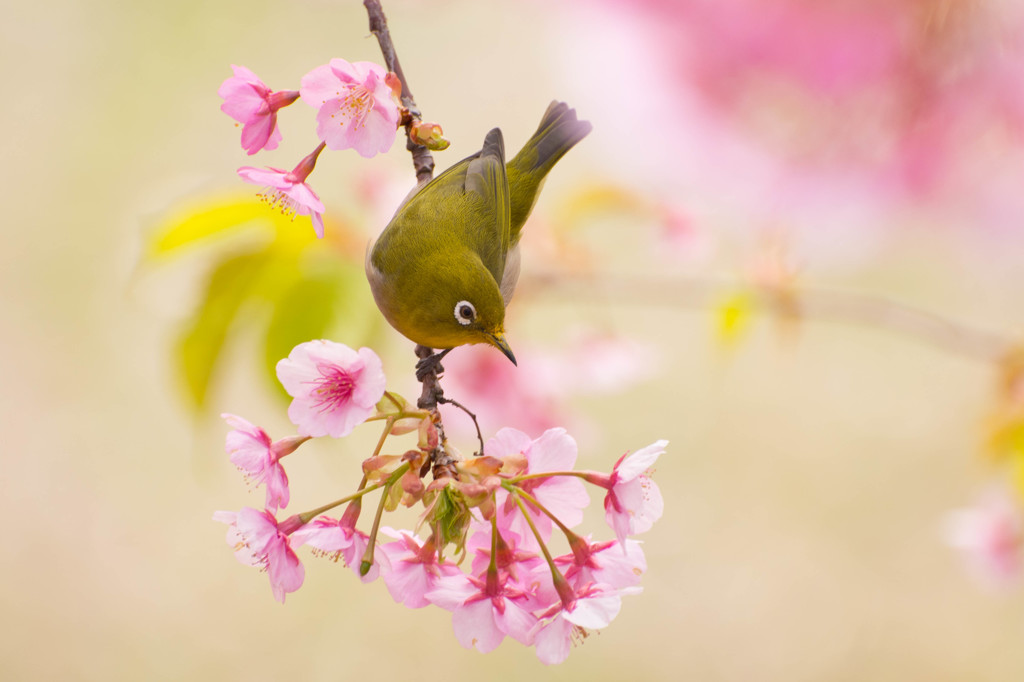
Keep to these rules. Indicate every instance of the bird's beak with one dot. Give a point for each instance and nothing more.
(498, 341)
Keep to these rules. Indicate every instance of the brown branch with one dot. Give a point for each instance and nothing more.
(804, 302)
(428, 369)
(422, 159)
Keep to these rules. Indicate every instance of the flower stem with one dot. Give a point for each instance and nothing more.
(565, 592)
(310, 515)
(554, 519)
(367, 562)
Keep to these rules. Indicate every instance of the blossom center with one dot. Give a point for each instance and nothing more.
(334, 387)
(356, 105)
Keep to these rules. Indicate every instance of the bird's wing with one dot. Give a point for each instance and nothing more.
(490, 228)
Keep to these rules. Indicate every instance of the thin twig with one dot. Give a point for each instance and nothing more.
(804, 302)
(479, 436)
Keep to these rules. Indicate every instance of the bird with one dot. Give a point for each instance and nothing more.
(445, 267)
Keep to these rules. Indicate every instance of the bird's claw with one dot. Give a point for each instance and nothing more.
(430, 365)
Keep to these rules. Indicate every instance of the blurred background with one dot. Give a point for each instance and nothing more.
(742, 151)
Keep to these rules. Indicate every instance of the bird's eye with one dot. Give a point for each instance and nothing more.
(465, 313)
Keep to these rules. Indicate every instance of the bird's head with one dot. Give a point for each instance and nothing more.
(467, 308)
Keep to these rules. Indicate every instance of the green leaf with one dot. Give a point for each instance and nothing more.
(201, 345)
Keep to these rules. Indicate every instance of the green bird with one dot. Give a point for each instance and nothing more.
(447, 264)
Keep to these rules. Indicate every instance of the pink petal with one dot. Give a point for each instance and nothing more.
(318, 224)
(284, 569)
(375, 136)
(553, 641)
(319, 85)
(306, 197)
(372, 381)
(475, 626)
(641, 460)
(248, 76)
(555, 450)
(265, 177)
(516, 622)
(507, 441)
(278, 494)
(257, 131)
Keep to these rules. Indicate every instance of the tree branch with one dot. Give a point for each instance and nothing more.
(422, 159)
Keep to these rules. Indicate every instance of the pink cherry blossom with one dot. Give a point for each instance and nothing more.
(259, 540)
(608, 562)
(595, 607)
(633, 502)
(563, 496)
(413, 568)
(334, 387)
(519, 558)
(252, 451)
(255, 106)
(288, 189)
(991, 537)
(338, 539)
(484, 610)
(355, 106)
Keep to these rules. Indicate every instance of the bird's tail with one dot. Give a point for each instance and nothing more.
(558, 132)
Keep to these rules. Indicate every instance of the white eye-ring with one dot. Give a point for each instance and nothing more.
(465, 313)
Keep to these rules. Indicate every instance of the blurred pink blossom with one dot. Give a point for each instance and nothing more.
(818, 116)
(288, 189)
(356, 108)
(259, 540)
(334, 387)
(991, 537)
(250, 102)
(537, 394)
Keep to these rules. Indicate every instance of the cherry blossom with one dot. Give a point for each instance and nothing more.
(563, 496)
(334, 387)
(485, 610)
(356, 108)
(259, 540)
(250, 102)
(413, 568)
(338, 539)
(633, 502)
(288, 189)
(595, 607)
(608, 562)
(252, 451)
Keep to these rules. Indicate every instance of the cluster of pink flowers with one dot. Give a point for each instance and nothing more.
(483, 547)
(358, 107)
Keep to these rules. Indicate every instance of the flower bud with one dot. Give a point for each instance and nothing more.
(429, 135)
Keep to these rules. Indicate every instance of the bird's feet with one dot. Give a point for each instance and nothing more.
(429, 363)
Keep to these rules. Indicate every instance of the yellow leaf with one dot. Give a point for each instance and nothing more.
(200, 221)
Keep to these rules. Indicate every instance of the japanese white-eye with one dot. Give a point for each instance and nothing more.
(447, 264)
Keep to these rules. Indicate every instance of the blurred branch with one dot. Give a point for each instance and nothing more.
(422, 159)
(803, 303)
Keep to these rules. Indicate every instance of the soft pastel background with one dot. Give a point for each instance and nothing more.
(808, 472)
